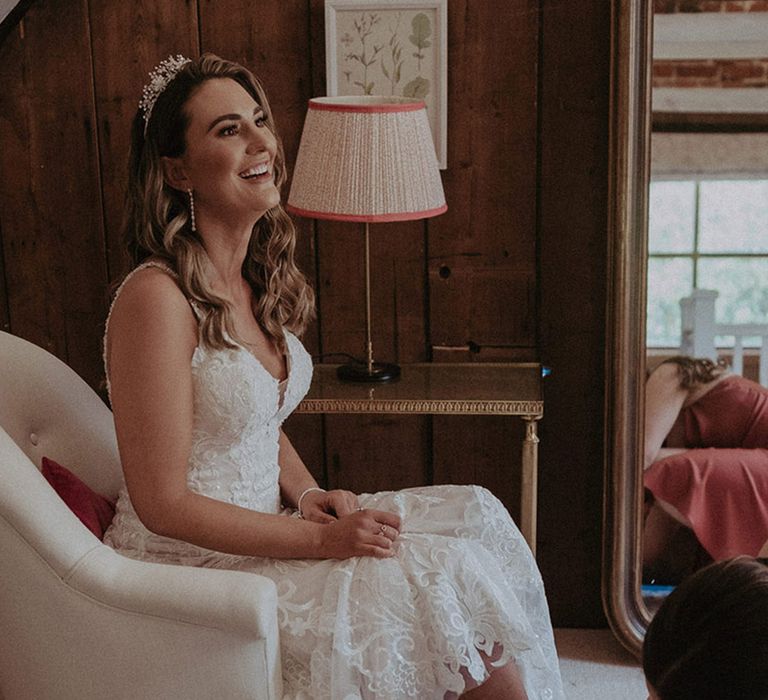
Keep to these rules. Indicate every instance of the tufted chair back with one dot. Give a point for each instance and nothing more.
(48, 410)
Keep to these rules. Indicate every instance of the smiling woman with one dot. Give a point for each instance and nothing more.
(430, 592)
(227, 163)
(192, 141)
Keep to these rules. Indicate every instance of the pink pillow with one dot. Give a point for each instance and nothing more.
(94, 510)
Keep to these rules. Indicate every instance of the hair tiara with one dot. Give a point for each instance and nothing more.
(159, 77)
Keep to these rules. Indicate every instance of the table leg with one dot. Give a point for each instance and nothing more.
(528, 490)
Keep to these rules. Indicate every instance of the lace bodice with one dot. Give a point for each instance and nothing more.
(237, 416)
(238, 411)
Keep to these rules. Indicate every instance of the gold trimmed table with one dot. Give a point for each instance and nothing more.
(477, 389)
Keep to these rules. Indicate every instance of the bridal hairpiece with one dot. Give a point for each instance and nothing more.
(159, 78)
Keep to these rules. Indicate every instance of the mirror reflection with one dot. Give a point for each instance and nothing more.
(706, 422)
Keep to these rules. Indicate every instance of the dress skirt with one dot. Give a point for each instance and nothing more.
(461, 593)
(722, 493)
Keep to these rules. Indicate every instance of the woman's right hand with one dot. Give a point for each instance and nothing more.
(364, 533)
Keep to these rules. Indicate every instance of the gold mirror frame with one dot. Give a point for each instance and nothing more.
(629, 144)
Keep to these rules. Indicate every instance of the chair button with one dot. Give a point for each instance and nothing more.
(33, 438)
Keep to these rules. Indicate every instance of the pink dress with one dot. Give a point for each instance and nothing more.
(721, 484)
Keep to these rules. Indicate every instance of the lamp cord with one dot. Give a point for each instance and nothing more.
(345, 355)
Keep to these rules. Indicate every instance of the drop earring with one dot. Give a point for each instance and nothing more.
(192, 209)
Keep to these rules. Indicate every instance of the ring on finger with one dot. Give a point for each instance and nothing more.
(383, 530)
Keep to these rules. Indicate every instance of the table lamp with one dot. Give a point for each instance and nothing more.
(366, 159)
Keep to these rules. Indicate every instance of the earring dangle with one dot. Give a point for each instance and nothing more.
(192, 209)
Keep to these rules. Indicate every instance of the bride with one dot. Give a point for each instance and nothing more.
(423, 593)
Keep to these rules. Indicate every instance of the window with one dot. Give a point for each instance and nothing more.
(706, 234)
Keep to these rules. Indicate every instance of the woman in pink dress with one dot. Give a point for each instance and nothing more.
(706, 460)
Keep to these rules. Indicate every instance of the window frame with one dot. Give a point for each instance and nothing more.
(695, 255)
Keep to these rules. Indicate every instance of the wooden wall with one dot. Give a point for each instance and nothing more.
(515, 270)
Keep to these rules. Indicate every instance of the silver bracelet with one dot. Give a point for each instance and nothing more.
(304, 493)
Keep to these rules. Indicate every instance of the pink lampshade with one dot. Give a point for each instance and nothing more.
(366, 159)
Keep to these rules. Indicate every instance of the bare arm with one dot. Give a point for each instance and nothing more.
(664, 398)
(152, 335)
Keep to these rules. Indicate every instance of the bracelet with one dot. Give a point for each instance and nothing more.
(304, 493)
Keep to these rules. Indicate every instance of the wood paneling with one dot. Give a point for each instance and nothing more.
(482, 252)
(128, 40)
(514, 270)
(53, 240)
(379, 453)
(484, 451)
(571, 281)
(13, 137)
(5, 316)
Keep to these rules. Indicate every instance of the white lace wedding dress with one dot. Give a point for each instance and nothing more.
(463, 580)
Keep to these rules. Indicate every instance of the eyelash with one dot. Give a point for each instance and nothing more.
(234, 129)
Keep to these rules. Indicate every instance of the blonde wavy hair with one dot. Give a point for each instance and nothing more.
(158, 224)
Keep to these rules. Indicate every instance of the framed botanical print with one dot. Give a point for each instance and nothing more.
(391, 48)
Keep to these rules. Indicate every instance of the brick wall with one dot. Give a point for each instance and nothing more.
(671, 6)
(721, 73)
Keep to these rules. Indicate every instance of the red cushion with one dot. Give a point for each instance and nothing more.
(94, 510)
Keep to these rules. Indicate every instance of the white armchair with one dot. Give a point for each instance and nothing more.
(78, 620)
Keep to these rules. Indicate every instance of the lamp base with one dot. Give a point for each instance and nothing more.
(358, 372)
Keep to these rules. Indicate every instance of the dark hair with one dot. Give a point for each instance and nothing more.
(157, 218)
(696, 370)
(709, 639)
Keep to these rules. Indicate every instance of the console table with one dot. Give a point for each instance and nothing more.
(477, 389)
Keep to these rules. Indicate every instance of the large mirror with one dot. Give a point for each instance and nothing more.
(689, 234)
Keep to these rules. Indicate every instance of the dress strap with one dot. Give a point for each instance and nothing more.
(148, 263)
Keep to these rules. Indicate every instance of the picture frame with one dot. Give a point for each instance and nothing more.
(391, 47)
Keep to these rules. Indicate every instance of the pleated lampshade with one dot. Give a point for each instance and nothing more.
(366, 159)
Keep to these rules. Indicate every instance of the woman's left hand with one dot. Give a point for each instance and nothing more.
(327, 506)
